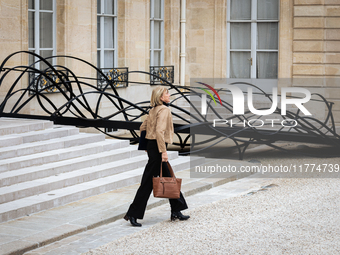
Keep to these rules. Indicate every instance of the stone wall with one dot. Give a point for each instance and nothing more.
(286, 39)
(172, 36)
(77, 34)
(316, 48)
(205, 39)
(13, 35)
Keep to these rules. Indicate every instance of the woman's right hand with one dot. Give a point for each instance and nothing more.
(164, 156)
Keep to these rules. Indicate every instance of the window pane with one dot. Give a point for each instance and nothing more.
(267, 36)
(30, 4)
(98, 6)
(31, 58)
(108, 59)
(266, 65)
(46, 5)
(157, 35)
(240, 10)
(157, 9)
(108, 7)
(240, 36)
(98, 32)
(108, 32)
(268, 9)
(45, 54)
(31, 30)
(46, 30)
(240, 65)
(156, 58)
(98, 59)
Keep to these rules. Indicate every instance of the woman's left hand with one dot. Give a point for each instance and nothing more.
(164, 156)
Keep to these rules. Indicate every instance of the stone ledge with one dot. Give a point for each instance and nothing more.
(17, 247)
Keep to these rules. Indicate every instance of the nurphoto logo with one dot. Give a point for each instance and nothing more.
(238, 100)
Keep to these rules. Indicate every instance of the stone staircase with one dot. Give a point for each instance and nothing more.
(44, 166)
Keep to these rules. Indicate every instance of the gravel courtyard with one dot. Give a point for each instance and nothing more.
(292, 216)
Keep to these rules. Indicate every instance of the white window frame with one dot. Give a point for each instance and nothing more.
(254, 21)
(37, 48)
(152, 34)
(101, 48)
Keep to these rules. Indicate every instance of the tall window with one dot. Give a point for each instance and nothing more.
(106, 33)
(42, 30)
(157, 33)
(252, 39)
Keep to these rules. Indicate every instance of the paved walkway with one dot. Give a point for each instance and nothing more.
(86, 241)
(246, 216)
(298, 216)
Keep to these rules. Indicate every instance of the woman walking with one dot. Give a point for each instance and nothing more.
(159, 131)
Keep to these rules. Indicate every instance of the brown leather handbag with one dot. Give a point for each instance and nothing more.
(167, 187)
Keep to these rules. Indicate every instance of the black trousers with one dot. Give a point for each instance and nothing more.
(152, 168)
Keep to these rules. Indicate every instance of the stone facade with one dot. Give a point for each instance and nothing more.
(76, 33)
(316, 47)
(13, 33)
(309, 41)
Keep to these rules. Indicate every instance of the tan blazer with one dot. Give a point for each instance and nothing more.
(159, 126)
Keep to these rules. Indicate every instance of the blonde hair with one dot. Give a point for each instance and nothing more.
(156, 95)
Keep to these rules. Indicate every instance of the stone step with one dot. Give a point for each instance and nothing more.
(34, 136)
(29, 205)
(14, 126)
(55, 155)
(49, 145)
(116, 151)
(38, 186)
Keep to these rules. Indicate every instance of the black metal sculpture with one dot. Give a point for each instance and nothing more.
(76, 109)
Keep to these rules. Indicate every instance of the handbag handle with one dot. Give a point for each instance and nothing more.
(170, 170)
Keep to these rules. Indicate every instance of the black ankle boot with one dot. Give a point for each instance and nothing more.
(132, 220)
(178, 215)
